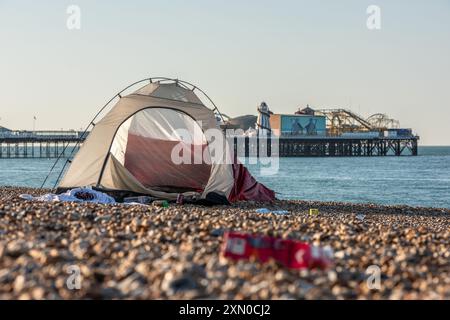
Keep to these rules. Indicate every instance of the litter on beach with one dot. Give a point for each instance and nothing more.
(313, 212)
(289, 253)
(161, 203)
(265, 211)
(360, 217)
(75, 195)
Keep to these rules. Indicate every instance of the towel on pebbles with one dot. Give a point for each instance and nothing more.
(75, 195)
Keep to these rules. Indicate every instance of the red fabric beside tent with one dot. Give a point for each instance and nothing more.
(247, 188)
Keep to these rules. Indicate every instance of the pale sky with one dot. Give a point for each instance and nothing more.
(287, 53)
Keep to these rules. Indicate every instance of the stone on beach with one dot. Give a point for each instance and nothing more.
(147, 252)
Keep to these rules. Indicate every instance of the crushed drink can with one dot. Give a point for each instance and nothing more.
(180, 198)
(289, 253)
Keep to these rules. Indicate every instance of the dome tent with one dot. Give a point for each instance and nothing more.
(130, 149)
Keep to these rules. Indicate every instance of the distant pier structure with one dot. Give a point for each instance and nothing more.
(325, 133)
(38, 144)
(325, 147)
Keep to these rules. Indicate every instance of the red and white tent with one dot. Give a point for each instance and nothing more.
(132, 149)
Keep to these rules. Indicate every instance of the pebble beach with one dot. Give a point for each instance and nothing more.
(147, 252)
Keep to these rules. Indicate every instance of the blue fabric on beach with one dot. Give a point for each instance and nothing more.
(265, 211)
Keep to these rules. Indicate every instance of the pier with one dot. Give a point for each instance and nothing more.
(38, 144)
(321, 133)
(325, 147)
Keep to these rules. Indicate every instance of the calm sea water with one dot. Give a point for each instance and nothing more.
(416, 181)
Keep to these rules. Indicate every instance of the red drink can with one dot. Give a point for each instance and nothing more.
(236, 246)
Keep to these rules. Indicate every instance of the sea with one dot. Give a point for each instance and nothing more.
(416, 181)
